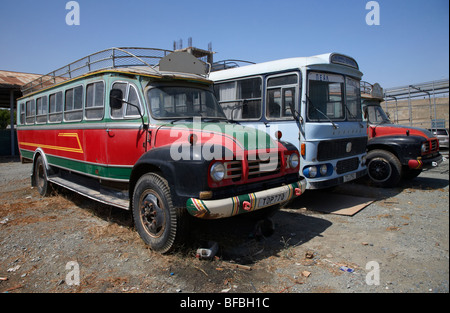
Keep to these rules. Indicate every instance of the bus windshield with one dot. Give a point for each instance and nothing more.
(174, 102)
(333, 98)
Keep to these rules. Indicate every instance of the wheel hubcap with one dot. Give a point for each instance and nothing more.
(379, 170)
(152, 215)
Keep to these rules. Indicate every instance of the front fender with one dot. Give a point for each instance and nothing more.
(404, 147)
(185, 177)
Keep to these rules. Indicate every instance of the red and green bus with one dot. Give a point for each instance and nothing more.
(140, 129)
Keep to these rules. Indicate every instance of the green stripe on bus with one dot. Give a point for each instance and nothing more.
(101, 171)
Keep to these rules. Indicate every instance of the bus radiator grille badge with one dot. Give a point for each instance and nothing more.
(348, 148)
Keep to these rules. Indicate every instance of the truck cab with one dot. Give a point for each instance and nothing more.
(394, 151)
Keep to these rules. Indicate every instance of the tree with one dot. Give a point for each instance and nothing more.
(5, 118)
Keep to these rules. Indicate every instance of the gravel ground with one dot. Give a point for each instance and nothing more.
(397, 244)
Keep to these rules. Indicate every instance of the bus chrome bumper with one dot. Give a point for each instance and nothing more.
(215, 209)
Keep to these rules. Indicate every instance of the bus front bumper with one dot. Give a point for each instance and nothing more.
(336, 181)
(215, 209)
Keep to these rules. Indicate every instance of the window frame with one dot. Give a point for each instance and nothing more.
(86, 108)
(44, 99)
(32, 114)
(297, 89)
(240, 101)
(22, 114)
(323, 119)
(126, 98)
(65, 111)
(56, 112)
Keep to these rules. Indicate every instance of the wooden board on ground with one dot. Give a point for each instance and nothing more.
(334, 203)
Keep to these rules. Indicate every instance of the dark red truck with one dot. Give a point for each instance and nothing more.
(394, 151)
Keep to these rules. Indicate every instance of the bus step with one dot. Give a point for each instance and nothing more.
(103, 195)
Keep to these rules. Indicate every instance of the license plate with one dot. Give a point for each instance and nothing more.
(349, 177)
(269, 200)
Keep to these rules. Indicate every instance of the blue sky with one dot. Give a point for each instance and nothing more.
(411, 44)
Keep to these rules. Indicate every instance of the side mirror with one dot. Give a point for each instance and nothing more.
(115, 99)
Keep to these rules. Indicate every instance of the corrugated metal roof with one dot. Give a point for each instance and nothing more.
(12, 82)
(10, 79)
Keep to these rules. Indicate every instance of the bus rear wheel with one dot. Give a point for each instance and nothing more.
(40, 177)
(156, 220)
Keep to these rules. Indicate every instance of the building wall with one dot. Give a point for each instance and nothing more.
(419, 113)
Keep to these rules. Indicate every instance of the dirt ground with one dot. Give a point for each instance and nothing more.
(397, 244)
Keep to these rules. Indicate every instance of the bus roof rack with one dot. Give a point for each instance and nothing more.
(106, 59)
(226, 64)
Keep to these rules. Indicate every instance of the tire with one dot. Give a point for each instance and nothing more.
(384, 168)
(160, 225)
(40, 177)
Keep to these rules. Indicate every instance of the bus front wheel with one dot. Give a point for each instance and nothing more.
(156, 220)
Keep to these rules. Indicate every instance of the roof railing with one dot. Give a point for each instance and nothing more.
(106, 59)
(227, 64)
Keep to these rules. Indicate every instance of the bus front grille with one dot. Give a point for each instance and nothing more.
(341, 148)
(348, 165)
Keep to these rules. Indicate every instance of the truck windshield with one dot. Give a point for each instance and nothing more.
(375, 113)
(175, 102)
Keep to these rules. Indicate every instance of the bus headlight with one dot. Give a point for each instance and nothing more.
(323, 170)
(424, 147)
(293, 160)
(217, 172)
(310, 171)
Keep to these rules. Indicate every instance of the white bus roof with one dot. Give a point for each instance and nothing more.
(289, 63)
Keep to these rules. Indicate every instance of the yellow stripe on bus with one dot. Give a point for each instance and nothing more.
(59, 148)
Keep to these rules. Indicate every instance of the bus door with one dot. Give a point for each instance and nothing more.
(282, 92)
(124, 132)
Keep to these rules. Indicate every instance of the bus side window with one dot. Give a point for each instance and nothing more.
(231, 96)
(133, 98)
(130, 94)
(118, 113)
(73, 108)
(22, 113)
(31, 108)
(55, 108)
(95, 95)
(274, 103)
(41, 110)
(280, 96)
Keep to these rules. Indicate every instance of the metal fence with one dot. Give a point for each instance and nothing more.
(423, 105)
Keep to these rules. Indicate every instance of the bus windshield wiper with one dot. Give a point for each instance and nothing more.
(353, 117)
(326, 116)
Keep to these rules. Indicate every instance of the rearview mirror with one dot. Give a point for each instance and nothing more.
(115, 99)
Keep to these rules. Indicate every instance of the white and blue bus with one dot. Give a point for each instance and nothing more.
(312, 102)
